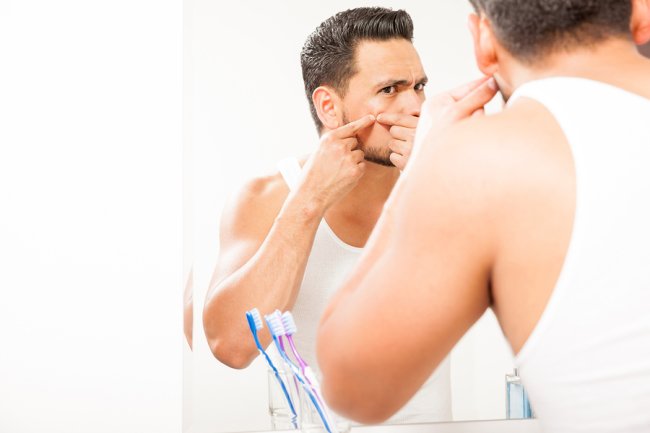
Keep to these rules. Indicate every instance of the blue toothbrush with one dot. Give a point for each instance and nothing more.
(255, 323)
(277, 331)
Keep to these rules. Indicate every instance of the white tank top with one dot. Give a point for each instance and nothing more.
(330, 262)
(586, 364)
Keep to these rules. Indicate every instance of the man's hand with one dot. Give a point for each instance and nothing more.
(460, 103)
(402, 129)
(336, 167)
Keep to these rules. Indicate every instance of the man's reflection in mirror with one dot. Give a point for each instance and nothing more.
(288, 239)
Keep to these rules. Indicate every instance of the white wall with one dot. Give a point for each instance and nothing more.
(90, 226)
(248, 110)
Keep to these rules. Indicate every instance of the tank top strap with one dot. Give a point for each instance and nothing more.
(561, 96)
(290, 170)
(579, 104)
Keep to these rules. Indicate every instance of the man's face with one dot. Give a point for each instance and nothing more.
(389, 78)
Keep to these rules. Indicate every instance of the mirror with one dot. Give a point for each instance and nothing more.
(245, 110)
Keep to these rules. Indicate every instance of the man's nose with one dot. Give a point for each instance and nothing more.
(412, 102)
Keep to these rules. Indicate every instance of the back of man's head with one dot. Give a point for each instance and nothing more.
(328, 56)
(531, 29)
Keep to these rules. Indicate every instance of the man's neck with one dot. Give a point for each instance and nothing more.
(354, 216)
(372, 191)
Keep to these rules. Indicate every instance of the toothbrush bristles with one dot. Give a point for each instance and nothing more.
(257, 318)
(275, 324)
(289, 324)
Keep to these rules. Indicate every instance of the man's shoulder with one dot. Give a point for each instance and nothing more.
(259, 196)
(254, 205)
(525, 125)
(499, 160)
(511, 142)
(264, 189)
(252, 208)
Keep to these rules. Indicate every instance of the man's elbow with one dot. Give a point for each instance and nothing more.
(230, 353)
(345, 387)
(227, 347)
(348, 400)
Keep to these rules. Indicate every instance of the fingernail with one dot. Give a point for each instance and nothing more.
(492, 83)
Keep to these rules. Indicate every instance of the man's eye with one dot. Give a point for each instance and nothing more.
(420, 86)
(388, 90)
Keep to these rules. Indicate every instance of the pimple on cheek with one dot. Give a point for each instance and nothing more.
(375, 134)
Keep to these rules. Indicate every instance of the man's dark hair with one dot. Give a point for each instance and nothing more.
(530, 29)
(328, 56)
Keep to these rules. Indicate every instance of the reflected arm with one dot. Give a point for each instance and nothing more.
(265, 240)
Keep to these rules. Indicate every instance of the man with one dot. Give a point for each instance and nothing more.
(539, 212)
(289, 239)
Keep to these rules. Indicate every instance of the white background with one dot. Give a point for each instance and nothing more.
(245, 110)
(90, 216)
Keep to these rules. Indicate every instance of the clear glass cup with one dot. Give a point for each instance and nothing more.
(282, 417)
(311, 420)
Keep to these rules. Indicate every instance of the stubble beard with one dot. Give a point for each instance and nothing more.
(374, 154)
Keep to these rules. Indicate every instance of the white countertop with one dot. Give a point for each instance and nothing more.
(496, 426)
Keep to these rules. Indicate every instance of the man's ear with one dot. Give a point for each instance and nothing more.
(640, 21)
(485, 50)
(328, 107)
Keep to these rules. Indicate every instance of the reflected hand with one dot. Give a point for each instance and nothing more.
(402, 130)
(460, 103)
(336, 166)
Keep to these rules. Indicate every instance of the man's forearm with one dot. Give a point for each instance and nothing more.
(269, 280)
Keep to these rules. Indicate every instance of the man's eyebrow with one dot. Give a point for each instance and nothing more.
(398, 82)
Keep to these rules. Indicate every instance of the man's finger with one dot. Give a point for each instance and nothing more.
(476, 99)
(358, 156)
(398, 160)
(352, 128)
(399, 146)
(464, 90)
(399, 119)
(402, 133)
(350, 143)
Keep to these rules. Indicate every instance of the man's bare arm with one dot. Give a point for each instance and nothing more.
(266, 241)
(401, 315)
(371, 365)
(264, 246)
